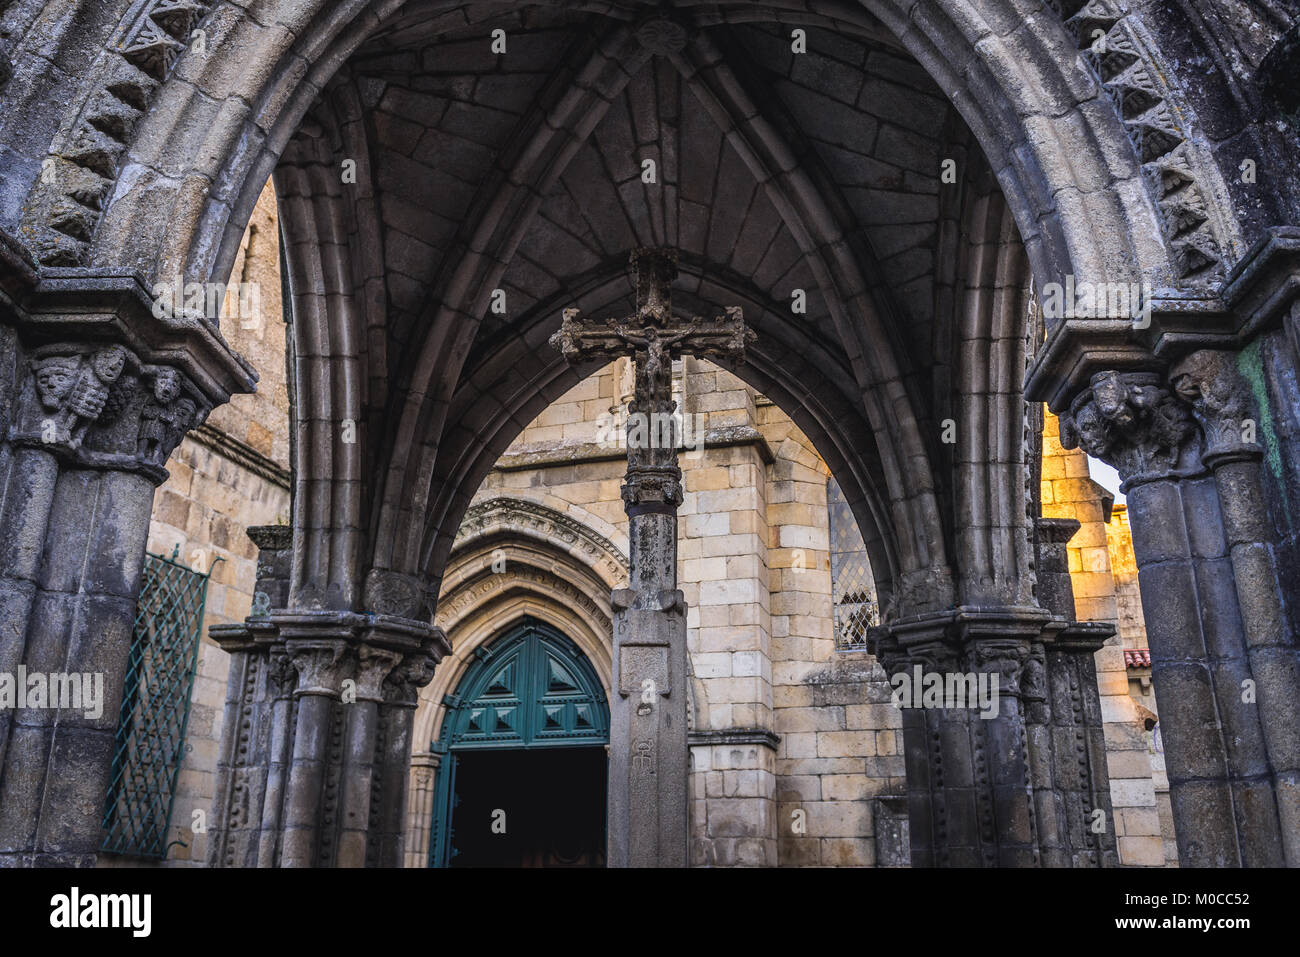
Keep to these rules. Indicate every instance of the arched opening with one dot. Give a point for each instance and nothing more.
(880, 187)
(523, 746)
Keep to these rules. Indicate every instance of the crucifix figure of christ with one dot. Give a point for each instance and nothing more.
(648, 752)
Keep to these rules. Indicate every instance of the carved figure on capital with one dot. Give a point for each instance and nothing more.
(1209, 382)
(1131, 420)
(166, 417)
(75, 391)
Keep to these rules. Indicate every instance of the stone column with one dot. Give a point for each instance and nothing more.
(1063, 711)
(317, 742)
(96, 392)
(419, 817)
(648, 752)
(969, 775)
(1222, 783)
(1209, 380)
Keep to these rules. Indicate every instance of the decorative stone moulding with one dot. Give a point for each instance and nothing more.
(63, 209)
(512, 515)
(1112, 46)
(105, 383)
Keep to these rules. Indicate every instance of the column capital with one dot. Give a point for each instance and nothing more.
(1209, 382)
(105, 383)
(374, 667)
(652, 489)
(1135, 422)
(414, 671)
(966, 638)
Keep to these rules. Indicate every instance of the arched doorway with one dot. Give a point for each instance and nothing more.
(524, 740)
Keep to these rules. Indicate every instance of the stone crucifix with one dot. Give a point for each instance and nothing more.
(648, 750)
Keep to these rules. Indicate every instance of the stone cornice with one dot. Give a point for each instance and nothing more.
(242, 454)
(734, 736)
(114, 306)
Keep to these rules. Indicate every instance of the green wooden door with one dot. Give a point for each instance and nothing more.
(530, 689)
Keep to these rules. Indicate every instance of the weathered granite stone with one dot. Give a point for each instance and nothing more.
(648, 750)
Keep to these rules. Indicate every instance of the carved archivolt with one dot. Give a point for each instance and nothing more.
(522, 517)
(463, 600)
(1112, 46)
(67, 202)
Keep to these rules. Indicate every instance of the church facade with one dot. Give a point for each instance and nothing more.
(971, 248)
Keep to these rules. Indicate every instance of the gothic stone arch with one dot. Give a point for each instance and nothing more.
(1088, 153)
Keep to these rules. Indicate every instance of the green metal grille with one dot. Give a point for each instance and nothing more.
(155, 707)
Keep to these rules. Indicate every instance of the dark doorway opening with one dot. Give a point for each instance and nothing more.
(541, 807)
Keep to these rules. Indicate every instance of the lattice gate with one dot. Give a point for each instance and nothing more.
(155, 707)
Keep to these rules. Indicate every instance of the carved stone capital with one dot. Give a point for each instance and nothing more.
(321, 666)
(104, 384)
(99, 406)
(374, 665)
(966, 638)
(1208, 379)
(281, 674)
(936, 653)
(1006, 657)
(653, 490)
(414, 671)
(1135, 422)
